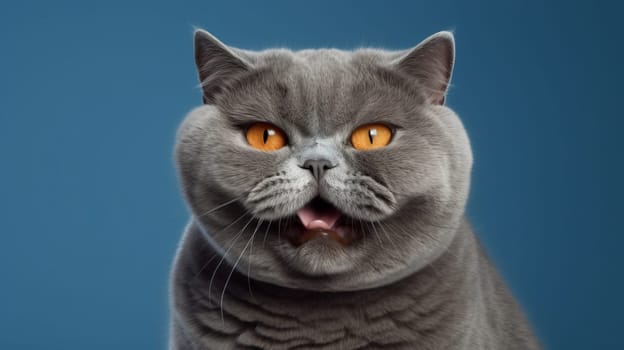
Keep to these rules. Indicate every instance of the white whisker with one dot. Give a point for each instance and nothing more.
(232, 272)
(251, 258)
(214, 273)
(376, 234)
(215, 255)
(266, 232)
(383, 229)
(221, 206)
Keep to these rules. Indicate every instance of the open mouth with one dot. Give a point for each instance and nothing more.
(319, 219)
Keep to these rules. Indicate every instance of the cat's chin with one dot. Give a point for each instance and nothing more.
(318, 252)
(320, 257)
(320, 238)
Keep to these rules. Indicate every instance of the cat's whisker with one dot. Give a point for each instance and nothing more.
(220, 206)
(383, 229)
(207, 245)
(232, 272)
(214, 273)
(376, 234)
(265, 234)
(386, 248)
(361, 226)
(251, 258)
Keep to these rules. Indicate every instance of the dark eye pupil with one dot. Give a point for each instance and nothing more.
(265, 135)
(371, 135)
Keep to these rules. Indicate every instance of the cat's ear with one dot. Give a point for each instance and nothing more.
(431, 64)
(216, 63)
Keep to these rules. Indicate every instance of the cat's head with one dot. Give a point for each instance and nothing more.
(325, 169)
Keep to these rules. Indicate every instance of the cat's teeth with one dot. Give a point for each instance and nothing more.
(315, 219)
(318, 224)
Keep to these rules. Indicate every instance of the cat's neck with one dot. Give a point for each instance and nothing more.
(439, 296)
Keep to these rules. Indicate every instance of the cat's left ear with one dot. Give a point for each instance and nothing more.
(216, 64)
(431, 64)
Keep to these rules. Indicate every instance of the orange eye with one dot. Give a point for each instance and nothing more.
(265, 137)
(371, 136)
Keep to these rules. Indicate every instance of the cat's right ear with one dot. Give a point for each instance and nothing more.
(216, 64)
(431, 64)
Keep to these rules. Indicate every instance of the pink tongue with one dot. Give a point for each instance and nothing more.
(314, 219)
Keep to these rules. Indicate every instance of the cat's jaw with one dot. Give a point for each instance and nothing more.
(344, 279)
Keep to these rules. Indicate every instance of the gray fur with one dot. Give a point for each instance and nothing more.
(415, 277)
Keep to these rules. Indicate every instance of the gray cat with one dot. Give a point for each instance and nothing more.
(327, 191)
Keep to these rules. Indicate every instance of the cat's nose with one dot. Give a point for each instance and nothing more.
(318, 167)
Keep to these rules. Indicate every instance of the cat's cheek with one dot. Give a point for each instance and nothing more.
(239, 169)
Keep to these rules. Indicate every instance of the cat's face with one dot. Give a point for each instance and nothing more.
(325, 169)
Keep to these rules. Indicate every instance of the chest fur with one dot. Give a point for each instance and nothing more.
(249, 315)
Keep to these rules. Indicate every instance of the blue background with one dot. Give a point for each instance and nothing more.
(92, 93)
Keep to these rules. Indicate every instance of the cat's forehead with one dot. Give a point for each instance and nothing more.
(317, 60)
(320, 68)
(322, 89)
